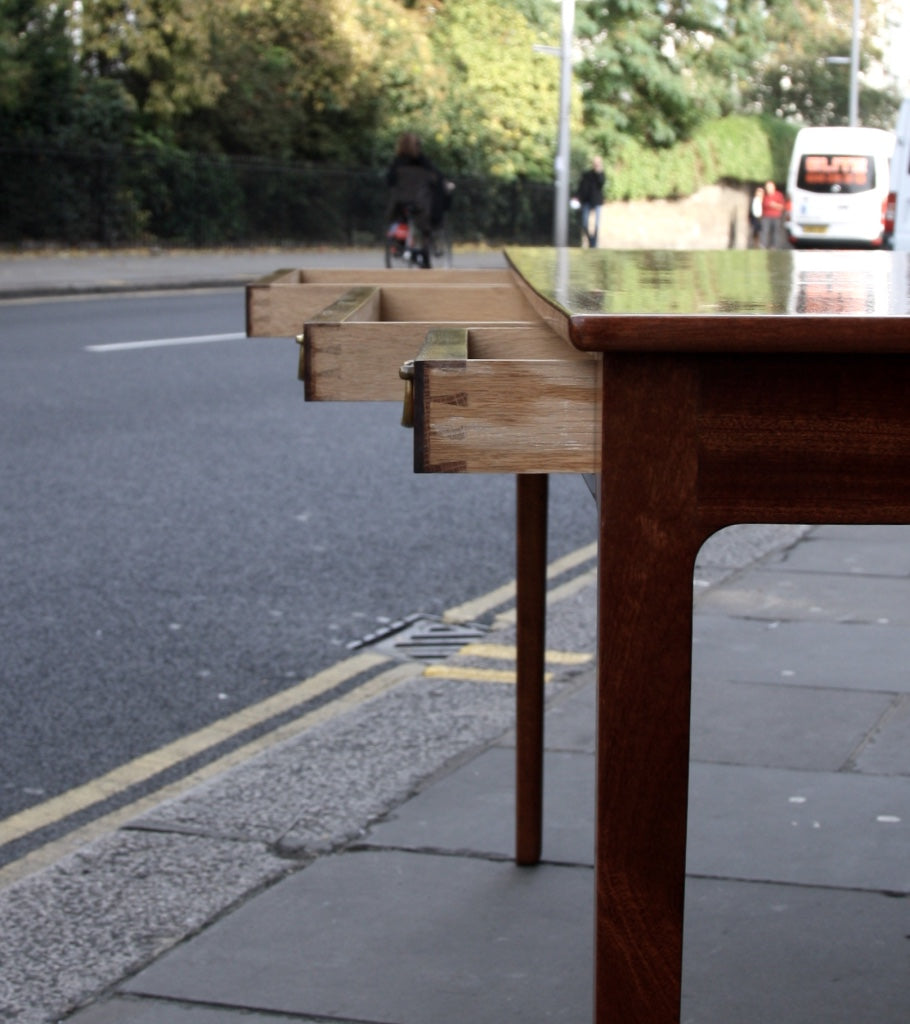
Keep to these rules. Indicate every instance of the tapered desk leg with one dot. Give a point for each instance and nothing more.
(531, 590)
(648, 543)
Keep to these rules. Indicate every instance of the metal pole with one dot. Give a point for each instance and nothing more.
(561, 218)
(854, 68)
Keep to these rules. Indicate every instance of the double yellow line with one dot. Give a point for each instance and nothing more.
(143, 768)
(147, 766)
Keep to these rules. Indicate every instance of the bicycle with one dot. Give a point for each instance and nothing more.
(401, 242)
(407, 246)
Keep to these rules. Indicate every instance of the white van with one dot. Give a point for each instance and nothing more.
(837, 187)
(897, 214)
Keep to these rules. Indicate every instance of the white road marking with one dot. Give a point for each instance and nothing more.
(198, 339)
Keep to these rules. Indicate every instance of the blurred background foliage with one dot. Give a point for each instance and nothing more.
(154, 100)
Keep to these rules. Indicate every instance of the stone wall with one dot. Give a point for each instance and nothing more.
(716, 217)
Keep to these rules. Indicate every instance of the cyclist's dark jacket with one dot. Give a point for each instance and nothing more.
(416, 182)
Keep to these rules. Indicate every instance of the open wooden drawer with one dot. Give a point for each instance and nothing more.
(353, 349)
(503, 400)
(498, 389)
(278, 305)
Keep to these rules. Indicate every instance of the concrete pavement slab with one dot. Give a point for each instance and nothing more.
(96, 916)
(756, 953)
(135, 1010)
(571, 722)
(885, 551)
(471, 811)
(389, 936)
(880, 533)
(787, 720)
(887, 750)
(771, 724)
(833, 829)
(736, 547)
(774, 593)
(818, 827)
(853, 656)
(753, 953)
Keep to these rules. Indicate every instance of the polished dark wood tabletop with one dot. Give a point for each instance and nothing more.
(659, 300)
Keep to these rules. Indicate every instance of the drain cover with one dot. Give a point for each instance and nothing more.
(421, 638)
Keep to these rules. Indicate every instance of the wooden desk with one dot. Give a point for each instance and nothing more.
(737, 387)
(707, 389)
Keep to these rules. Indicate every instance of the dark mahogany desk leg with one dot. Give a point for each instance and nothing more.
(531, 595)
(648, 543)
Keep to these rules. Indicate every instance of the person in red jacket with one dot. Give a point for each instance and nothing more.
(772, 211)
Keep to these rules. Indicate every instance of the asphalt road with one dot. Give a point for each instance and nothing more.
(183, 536)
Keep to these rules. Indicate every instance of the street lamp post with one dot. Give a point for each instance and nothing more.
(561, 218)
(854, 68)
(853, 61)
(563, 160)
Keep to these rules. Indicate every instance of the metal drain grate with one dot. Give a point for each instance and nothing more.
(421, 638)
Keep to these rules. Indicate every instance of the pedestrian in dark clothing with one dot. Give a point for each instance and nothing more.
(590, 194)
(755, 214)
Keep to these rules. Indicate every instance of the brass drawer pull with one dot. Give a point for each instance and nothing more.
(407, 375)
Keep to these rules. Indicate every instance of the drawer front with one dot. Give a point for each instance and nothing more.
(505, 415)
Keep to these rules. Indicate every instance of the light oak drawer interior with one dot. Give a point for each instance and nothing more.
(353, 349)
(278, 305)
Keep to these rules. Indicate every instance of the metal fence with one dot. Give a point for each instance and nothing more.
(121, 196)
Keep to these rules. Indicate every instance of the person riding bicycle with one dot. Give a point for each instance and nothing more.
(417, 188)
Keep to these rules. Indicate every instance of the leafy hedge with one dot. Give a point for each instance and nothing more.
(748, 149)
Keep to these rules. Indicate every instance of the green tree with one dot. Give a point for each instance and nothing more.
(160, 51)
(37, 74)
(656, 72)
(278, 63)
(324, 80)
(43, 97)
(397, 82)
(499, 108)
(793, 77)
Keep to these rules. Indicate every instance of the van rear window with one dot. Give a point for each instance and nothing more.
(825, 173)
